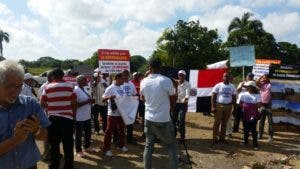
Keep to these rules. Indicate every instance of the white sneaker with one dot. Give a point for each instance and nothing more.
(108, 153)
(90, 150)
(124, 149)
(80, 154)
(270, 139)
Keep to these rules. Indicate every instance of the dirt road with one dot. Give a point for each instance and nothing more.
(202, 153)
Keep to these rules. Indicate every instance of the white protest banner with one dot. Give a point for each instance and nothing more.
(127, 106)
(113, 61)
(260, 69)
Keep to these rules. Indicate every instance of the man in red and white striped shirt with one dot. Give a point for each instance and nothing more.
(60, 100)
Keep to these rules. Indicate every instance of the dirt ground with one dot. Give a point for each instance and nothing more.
(202, 153)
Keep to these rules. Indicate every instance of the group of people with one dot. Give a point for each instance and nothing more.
(250, 102)
(63, 111)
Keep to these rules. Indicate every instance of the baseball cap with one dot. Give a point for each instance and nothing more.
(182, 72)
(251, 83)
(28, 76)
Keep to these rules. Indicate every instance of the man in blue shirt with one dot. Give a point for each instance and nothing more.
(22, 120)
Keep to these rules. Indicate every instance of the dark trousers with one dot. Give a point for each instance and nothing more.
(250, 127)
(180, 112)
(61, 130)
(96, 109)
(34, 167)
(83, 127)
(265, 111)
(141, 110)
(129, 133)
(237, 118)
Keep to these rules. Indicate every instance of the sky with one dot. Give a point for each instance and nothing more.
(74, 29)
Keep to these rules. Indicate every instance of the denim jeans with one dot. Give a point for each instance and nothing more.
(165, 133)
(266, 112)
(180, 112)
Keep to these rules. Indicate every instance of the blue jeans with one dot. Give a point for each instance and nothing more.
(165, 133)
(180, 111)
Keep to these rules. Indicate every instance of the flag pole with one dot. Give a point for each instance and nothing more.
(243, 73)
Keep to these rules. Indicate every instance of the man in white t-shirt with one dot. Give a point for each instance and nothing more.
(83, 124)
(158, 93)
(223, 97)
(129, 90)
(114, 120)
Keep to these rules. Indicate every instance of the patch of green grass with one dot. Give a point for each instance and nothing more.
(38, 70)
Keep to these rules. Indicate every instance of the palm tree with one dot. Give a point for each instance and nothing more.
(3, 36)
(241, 29)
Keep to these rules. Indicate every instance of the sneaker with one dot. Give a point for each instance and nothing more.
(255, 148)
(270, 139)
(108, 153)
(80, 154)
(243, 143)
(90, 150)
(124, 149)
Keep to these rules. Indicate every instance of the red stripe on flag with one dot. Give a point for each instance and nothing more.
(210, 77)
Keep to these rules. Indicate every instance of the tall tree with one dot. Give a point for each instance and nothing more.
(242, 30)
(247, 31)
(3, 37)
(289, 53)
(136, 63)
(189, 45)
(93, 60)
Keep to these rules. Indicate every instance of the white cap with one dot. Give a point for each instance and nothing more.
(28, 76)
(96, 74)
(182, 72)
(135, 73)
(251, 83)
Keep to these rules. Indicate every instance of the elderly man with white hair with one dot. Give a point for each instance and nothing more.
(22, 120)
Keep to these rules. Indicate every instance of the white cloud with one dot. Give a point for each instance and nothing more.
(294, 3)
(24, 41)
(220, 18)
(202, 5)
(26, 45)
(138, 39)
(261, 3)
(4, 11)
(283, 26)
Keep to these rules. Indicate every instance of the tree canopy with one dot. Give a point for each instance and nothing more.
(4, 36)
(189, 45)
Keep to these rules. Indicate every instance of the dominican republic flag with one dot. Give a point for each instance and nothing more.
(202, 83)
